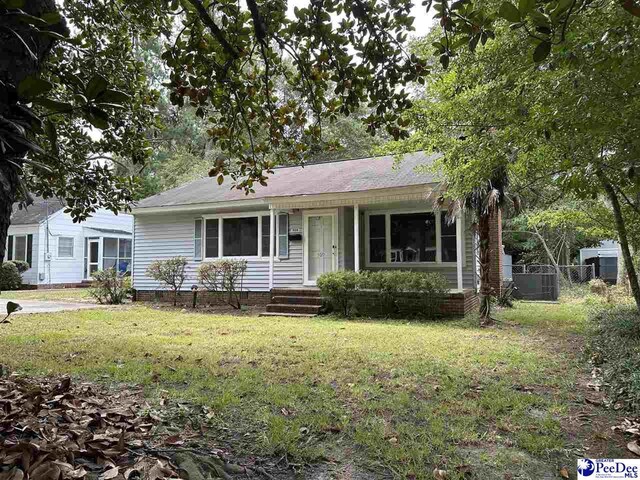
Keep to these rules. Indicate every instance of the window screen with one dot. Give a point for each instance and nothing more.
(448, 239)
(413, 237)
(240, 237)
(65, 247)
(211, 238)
(266, 228)
(377, 239)
(197, 240)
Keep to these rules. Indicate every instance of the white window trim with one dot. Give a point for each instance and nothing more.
(260, 257)
(73, 248)
(13, 247)
(388, 263)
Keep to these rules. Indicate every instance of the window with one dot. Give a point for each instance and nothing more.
(20, 248)
(377, 239)
(240, 237)
(448, 239)
(245, 236)
(65, 247)
(116, 253)
(411, 237)
(283, 235)
(266, 228)
(197, 240)
(211, 238)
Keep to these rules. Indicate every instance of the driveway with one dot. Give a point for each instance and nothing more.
(48, 306)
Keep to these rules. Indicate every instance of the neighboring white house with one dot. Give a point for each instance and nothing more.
(62, 252)
(361, 214)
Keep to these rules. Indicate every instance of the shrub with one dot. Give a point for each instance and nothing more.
(21, 265)
(110, 286)
(339, 289)
(10, 278)
(224, 277)
(614, 346)
(171, 272)
(506, 296)
(599, 287)
(384, 293)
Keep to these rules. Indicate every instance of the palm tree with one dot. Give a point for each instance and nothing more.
(484, 202)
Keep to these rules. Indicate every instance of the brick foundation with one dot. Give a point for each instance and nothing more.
(204, 297)
(460, 304)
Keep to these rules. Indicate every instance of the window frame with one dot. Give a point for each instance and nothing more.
(262, 217)
(73, 248)
(14, 243)
(388, 263)
(118, 258)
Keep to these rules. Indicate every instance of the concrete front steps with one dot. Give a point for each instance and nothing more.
(294, 302)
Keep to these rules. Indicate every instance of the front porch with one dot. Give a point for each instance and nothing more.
(376, 232)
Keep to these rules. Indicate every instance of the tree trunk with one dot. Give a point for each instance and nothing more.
(17, 63)
(484, 254)
(623, 238)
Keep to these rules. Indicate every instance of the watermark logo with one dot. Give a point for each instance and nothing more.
(586, 467)
(608, 469)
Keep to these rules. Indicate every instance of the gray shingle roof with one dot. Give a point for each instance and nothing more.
(331, 177)
(36, 212)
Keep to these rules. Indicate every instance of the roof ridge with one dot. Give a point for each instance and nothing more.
(324, 162)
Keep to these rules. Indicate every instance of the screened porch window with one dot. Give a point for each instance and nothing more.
(116, 253)
(410, 237)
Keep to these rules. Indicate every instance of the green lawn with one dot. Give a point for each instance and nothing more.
(395, 397)
(58, 294)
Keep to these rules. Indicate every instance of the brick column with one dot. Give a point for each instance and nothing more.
(495, 251)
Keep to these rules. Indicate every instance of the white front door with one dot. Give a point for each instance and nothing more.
(321, 252)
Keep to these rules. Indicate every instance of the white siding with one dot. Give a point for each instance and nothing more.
(71, 270)
(158, 237)
(30, 277)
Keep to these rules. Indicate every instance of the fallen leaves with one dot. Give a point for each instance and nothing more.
(54, 430)
(634, 447)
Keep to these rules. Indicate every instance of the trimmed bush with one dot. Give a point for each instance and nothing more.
(224, 277)
(171, 272)
(384, 293)
(614, 346)
(10, 278)
(21, 265)
(110, 286)
(339, 289)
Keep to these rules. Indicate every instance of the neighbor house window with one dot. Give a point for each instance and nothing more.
(116, 253)
(411, 237)
(65, 247)
(448, 239)
(20, 247)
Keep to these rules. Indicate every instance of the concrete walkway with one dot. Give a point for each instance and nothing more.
(42, 306)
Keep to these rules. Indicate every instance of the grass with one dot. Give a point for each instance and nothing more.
(58, 294)
(402, 398)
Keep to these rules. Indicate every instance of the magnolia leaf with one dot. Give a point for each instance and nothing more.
(52, 17)
(13, 307)
(96, 86)
(634, 447)
(54, 105)
(526, 6)
(13, 3)
(541, 52)
(508, 11)
(113, 96)
(31, 87)
(98, 118)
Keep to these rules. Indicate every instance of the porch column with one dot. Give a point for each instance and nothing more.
(356, 238)
(459, 252)
(272, 243)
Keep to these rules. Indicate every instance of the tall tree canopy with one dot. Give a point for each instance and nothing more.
(567, 115)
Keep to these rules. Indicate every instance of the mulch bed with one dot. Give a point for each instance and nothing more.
(55, 429)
